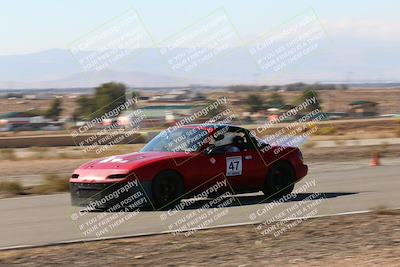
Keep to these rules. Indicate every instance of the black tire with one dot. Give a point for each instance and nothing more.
(167, 189)
(280, 180)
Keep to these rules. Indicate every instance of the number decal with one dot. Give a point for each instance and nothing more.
(113, 159)
(234, 166)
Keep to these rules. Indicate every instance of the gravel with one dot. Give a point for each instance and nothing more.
(371, 239)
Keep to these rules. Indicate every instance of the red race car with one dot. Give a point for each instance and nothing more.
(183, 161)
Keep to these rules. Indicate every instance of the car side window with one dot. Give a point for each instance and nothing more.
(231, 142)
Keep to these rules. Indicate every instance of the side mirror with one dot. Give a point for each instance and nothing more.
(212, 150)
(208, 151)
(219, 137)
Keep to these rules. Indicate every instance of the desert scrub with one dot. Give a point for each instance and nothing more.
(11, 188)
(326, 131)
(384, 146)
(383, 210)
(52, 183)
(309, 144)
(7, 154)
(397, 132)
(65, 155)
(39, 152)
(340, 142)
(38, 149)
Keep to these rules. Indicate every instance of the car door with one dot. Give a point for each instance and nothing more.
(254, 171)
(243, 170)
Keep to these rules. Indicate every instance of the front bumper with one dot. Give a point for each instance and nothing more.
(110, 196)
(301, 171)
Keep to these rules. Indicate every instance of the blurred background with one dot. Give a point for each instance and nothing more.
(86, 79)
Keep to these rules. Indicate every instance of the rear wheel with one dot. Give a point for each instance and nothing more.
(167, 188)
(280, 180)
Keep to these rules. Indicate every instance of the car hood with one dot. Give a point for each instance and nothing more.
(100, 169)
(128, 161)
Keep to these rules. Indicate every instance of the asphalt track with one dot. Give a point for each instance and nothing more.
(346, 187)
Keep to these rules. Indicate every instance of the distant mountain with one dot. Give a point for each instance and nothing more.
(42, 66)
(94, 78)
(57, 68)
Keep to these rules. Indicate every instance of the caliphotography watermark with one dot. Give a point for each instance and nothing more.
(289, 43)
(200, 43)
(111, 42)
(207, 206)
(291, 126)
(108, 209)
(120, 125)
(287, 212)
(192, 138)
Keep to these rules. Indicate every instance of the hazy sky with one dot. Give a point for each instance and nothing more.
(31, 26)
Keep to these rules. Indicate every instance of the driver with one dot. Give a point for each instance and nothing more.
(236, 145)
(230, 143)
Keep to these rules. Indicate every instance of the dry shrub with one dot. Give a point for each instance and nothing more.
(11, 188)
(326, 131)
(397, 132)
(382, 210)
(7, 154)
(309, 144)
(52, 183)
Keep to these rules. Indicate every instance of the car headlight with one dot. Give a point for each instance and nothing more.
(116, 176)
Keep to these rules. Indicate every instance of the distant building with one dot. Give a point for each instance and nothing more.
(178, 96)
(21, 121)
(154, 115)
(17, 118)
(29, 97)
(362, 108)
(274, 111)
(336, 115)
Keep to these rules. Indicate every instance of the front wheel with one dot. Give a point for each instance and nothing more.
(167, 188)
(280, 180)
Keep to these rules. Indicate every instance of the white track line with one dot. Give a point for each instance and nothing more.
(169, 231)
(37, 196)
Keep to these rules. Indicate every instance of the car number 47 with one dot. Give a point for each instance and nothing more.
(234, 166)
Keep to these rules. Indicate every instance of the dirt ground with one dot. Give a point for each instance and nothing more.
(349, 240)
(40, 166)
(337, 100)
(343, 153)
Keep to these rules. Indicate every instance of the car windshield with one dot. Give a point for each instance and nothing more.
(178, 140)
